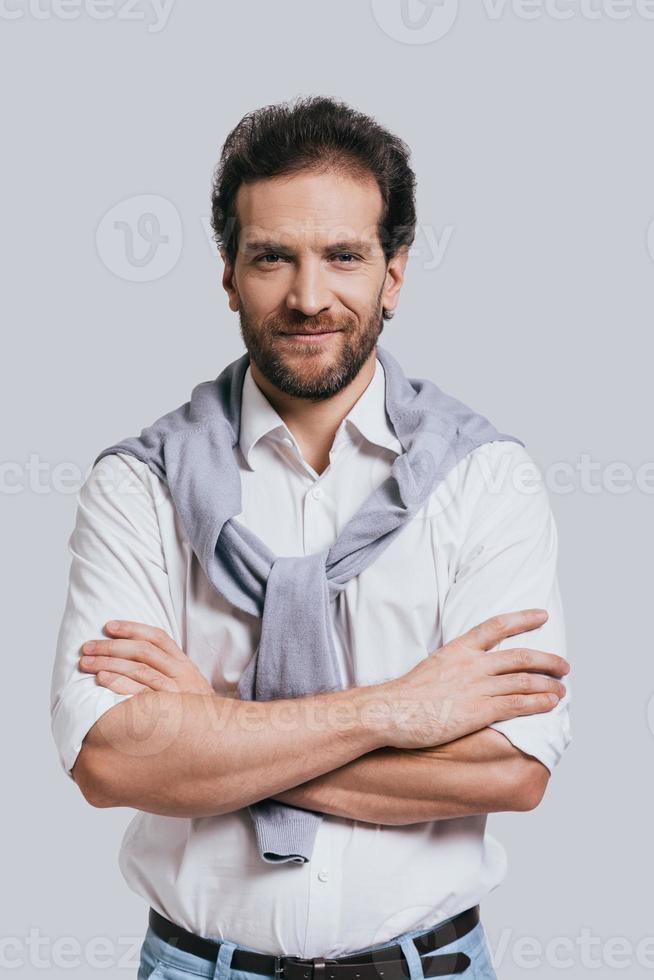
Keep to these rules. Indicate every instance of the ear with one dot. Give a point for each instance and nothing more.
(228, 282)
(394, 278)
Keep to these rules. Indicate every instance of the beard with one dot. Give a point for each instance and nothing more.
(302, 369)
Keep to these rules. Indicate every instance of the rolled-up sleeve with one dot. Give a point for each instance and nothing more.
(508, 561)
(117, 571)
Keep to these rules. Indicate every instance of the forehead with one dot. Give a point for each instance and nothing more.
(309, 208)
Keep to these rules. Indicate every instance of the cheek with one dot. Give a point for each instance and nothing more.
(357, 293)
(262, 292)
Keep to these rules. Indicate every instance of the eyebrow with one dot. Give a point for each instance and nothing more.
(269, 245)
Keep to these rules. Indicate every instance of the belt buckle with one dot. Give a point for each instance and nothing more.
(319, 965)
(279, 968)
(314, 968)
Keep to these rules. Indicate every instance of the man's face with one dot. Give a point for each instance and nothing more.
(310, 279)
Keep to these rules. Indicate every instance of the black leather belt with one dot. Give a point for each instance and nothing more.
(388, 963)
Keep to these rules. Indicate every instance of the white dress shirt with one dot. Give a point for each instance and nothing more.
(485, 542)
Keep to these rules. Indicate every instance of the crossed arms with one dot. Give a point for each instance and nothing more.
(178, 749)
(190, 752)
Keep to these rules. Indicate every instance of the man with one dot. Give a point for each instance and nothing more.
(313, 209)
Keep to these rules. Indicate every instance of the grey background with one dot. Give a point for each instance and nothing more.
(532, 142)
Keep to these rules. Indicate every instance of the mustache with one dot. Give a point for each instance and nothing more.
(310, 325)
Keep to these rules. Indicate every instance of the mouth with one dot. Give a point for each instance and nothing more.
(313, 337)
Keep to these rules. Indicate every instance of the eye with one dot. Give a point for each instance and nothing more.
(269, 255)
(346, 255)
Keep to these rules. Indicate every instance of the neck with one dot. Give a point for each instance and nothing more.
(314, 424)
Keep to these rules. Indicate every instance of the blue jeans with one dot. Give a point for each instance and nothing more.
(161, 961)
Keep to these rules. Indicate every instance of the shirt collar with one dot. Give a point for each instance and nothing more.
(367, 415)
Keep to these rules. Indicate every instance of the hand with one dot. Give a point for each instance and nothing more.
(461, 687)
(141, 658)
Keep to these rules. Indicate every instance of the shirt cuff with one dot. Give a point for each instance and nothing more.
(75, 714)
(547, 743)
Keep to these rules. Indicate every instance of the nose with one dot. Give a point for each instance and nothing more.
(308, 292)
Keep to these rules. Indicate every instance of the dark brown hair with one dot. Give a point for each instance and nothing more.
(315, 133)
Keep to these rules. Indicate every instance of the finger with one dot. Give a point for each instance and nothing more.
(491, 631)
(526, 684)
(511, 705)
(140, 650)
(523, 658)
(143, 631)
(118, 684)
(129, 668)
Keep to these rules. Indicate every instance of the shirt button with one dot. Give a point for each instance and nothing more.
(317, 493)
(323, 875)
(287, 441)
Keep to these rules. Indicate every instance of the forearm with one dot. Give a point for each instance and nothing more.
(196, 755)
(479, 773)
